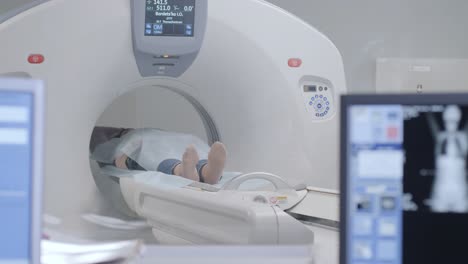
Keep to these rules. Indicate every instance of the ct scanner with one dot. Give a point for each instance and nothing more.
(253, 76)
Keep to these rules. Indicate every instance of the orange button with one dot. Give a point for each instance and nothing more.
(36, 59)
(294, 63)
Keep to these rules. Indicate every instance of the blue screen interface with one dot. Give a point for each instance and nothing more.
(407, 187)
(170, 18)
(15, 176)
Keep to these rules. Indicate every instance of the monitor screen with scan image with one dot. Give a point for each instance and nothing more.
(404, 179)
(170, 18)
(20, 140)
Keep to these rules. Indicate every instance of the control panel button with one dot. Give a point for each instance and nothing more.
(318, 99)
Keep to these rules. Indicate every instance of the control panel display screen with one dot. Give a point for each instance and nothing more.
(310, 88)
(170, 18)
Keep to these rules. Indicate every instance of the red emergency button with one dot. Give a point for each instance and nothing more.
(294, 63)
(36, 58)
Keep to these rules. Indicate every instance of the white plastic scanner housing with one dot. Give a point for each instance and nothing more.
(264, 110)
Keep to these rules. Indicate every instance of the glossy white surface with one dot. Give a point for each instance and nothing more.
(326, 246)
(324, 251)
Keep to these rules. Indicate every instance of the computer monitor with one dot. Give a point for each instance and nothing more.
(404, 187)
(21, 143)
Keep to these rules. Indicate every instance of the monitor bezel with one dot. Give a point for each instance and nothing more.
(376, 99)
(36, 89)
(168, 45)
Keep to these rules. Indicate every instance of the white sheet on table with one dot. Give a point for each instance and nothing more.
(163, 180)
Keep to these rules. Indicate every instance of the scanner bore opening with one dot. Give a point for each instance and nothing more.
(151, 106)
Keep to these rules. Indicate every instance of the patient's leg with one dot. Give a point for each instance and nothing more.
(187, 168)
(213, 170)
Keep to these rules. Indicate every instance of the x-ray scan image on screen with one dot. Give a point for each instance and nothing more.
(436, 146)
(435, 204)
(405, 185)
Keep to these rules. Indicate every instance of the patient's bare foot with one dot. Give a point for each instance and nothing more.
(213, 170)
(189, 164)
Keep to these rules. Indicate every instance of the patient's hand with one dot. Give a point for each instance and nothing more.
(120, 162)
